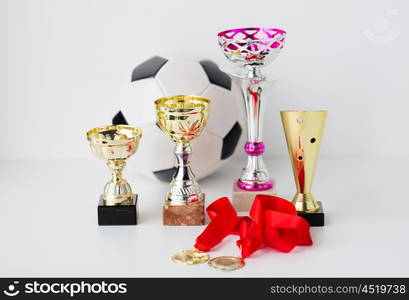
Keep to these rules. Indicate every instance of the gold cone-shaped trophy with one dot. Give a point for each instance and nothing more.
(183, 118)
(303, 132)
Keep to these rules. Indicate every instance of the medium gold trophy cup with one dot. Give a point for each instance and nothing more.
(183, 118)
(115, 144)
(303, 132)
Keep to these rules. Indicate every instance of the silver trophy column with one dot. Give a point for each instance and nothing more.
(251, 49)
(255, 92)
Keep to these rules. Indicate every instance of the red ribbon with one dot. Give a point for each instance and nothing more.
(272, 221)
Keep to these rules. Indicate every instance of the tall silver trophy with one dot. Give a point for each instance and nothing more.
(251, 49)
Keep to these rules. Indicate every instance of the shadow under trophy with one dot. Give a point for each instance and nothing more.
(183, 118)
(251, 49)
(303, 132)
(115, 144)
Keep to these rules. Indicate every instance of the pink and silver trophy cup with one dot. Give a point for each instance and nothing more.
(251, 49)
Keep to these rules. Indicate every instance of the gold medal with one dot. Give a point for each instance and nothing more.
(198, 255)
(227, 263)
(190, 257)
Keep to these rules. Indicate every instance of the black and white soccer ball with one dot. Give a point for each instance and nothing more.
(159, 77)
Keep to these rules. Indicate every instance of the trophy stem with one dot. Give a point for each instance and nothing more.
(117, 190)
(254, 72)
(116, 166)
(255, 176)
(183, 189)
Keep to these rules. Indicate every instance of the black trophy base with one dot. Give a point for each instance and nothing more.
(315, 219)
(117, 214)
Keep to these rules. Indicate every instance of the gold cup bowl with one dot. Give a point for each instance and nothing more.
(183, 118)
(115, 144)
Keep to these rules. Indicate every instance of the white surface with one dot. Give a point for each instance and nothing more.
(64, 63)
(48, 222)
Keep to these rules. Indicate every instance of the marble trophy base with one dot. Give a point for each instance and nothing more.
(315, 219)
(243, 200)
(189, 214)
(117, 214)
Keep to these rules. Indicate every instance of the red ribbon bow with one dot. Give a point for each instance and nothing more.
(272, 221)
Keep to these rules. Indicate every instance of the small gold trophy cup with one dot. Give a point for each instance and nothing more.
(115, 144)
(303, 132)
(183, 118)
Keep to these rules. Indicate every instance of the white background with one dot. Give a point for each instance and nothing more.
(62, 64)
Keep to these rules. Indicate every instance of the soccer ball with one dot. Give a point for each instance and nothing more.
(159, 77)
